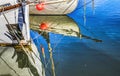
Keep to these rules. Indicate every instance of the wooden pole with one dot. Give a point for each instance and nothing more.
(12, 6)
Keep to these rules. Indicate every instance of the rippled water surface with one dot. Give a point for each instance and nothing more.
(83, 57)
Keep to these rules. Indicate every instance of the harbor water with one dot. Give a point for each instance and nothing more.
(84, 57)
(97, 53)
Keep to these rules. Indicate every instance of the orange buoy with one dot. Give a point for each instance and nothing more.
(43, 26)
(40, 6)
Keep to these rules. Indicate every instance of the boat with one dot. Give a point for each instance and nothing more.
(18, 53)
(54, 7)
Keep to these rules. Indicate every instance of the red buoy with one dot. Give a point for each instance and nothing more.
(40, 6)
(43, 26)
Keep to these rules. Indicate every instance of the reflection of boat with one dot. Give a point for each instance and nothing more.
(56, 24)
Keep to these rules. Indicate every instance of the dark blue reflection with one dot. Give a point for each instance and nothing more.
(88, 58)
(75, 57)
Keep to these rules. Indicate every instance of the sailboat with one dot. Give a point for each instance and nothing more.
(18, 53)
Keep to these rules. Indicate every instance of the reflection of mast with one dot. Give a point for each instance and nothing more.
(93, 6)
(84, 16)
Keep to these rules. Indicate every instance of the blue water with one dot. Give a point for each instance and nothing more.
(84, 57)
(88, 58)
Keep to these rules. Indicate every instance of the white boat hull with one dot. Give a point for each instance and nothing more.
(56, 8)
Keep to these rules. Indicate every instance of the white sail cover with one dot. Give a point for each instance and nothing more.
(56, 7)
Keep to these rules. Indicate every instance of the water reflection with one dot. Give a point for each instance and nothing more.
(58, 25)
(85, 57)
(62, 25)
(16, 62)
